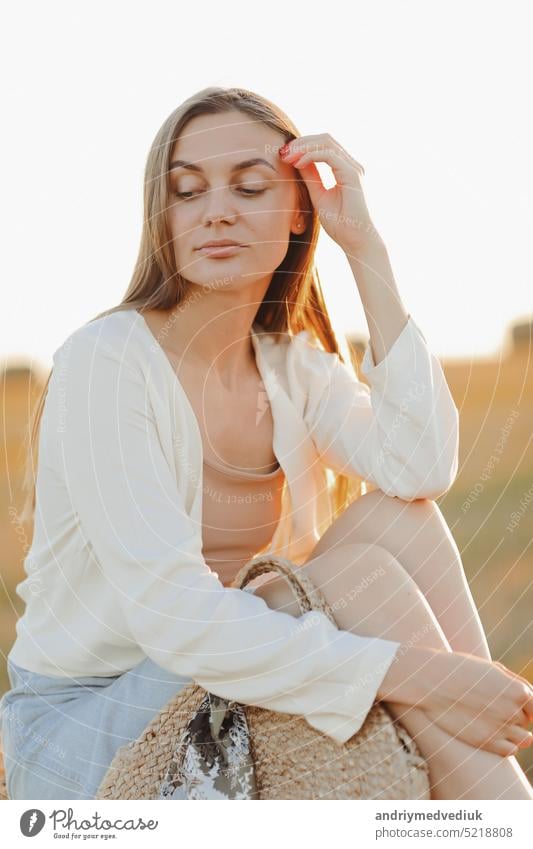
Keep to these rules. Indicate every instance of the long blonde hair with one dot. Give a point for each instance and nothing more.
(294, 299)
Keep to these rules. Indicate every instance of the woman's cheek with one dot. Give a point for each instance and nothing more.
(182, 232)
(273, 249)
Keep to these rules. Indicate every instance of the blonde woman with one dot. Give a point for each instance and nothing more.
(211, 416)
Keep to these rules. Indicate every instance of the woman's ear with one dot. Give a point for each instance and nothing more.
(298, 226)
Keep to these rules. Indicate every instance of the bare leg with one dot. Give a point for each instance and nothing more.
(393, 607)
(417, 534)
(460, 771)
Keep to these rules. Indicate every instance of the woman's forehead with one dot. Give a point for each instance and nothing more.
(225, 136)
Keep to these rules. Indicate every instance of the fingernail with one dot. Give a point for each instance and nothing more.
(283, 150)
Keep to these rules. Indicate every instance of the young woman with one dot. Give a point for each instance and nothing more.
(212, 416)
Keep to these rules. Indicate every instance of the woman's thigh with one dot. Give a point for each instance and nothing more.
(368, 591)
(60, 734)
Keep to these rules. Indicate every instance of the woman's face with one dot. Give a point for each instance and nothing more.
(220, 194)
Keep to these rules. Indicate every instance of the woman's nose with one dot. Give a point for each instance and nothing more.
(219, 205)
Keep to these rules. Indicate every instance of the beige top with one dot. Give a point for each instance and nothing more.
(241, 510)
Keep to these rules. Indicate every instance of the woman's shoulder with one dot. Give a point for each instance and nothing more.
(115, 329)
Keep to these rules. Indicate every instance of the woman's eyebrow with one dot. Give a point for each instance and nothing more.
(248, 163)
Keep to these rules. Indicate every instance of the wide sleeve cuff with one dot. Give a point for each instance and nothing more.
(349, 712)
(398, 357)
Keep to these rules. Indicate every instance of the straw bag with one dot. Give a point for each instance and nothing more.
(201, 746)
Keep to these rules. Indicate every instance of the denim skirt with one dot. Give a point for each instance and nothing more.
(59, 735)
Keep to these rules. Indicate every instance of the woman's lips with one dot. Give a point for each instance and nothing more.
(221, 250)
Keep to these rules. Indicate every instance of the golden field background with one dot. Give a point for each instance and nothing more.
(489, 508)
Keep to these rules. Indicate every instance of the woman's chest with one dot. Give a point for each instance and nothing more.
(237, 427)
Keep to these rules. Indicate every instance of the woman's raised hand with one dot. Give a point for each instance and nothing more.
(342, 209)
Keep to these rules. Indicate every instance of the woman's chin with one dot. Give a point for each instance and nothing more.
(220, 278)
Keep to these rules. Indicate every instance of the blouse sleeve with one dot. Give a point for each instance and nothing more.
(401, 432)
(148, 551)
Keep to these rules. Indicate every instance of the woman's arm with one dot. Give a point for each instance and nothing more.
(385, 313)
(401, 432)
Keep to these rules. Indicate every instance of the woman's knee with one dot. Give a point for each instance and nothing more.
(358, 569)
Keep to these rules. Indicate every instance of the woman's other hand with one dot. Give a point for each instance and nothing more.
(478, 701)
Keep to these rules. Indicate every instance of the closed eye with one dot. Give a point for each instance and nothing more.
(246, 192)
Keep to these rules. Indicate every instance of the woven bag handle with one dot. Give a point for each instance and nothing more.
(306, 594)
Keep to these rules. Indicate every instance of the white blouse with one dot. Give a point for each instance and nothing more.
(115, 571)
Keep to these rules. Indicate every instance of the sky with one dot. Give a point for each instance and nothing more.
(430, 97)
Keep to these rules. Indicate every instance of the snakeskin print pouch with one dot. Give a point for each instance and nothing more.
(212, 759)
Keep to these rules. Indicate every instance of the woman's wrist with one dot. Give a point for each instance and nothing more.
(411, 676)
